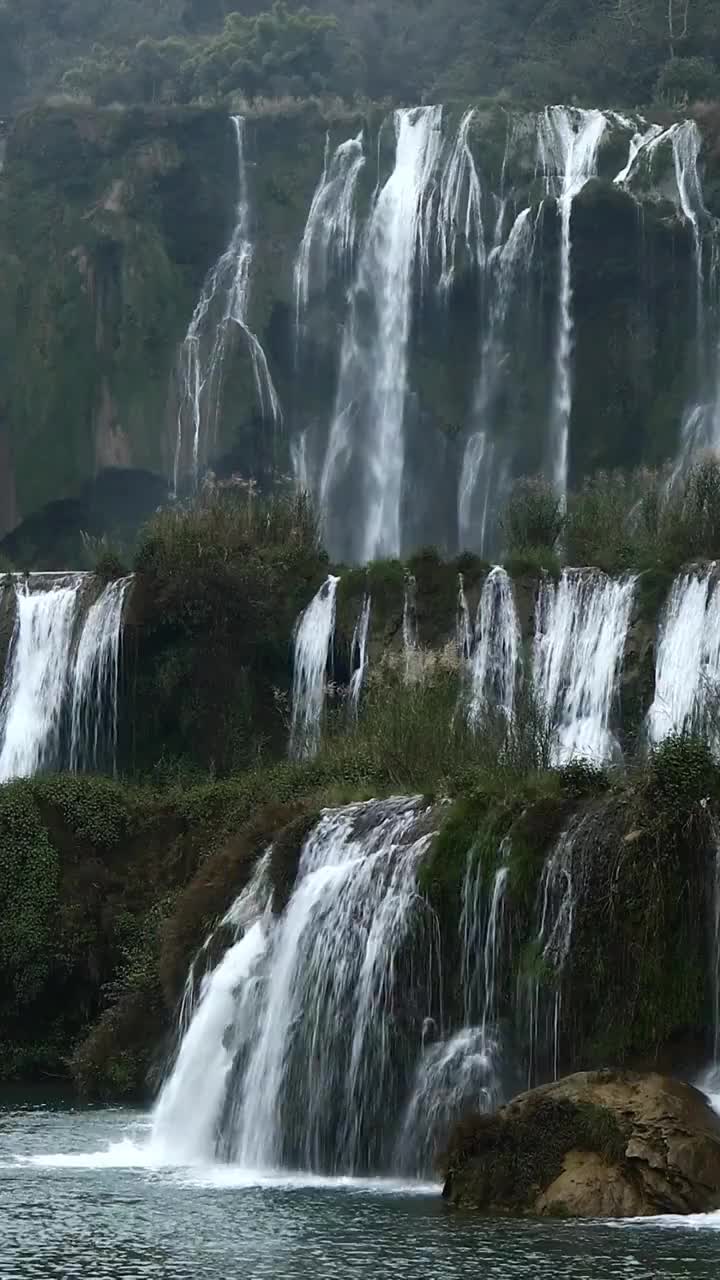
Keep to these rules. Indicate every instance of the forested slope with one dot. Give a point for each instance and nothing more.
(624, 52)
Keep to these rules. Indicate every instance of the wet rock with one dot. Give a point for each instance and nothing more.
(597, 1144)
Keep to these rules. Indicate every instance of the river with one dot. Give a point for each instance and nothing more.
(80, 1196)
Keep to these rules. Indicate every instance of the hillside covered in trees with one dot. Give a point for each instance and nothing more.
(618, 52)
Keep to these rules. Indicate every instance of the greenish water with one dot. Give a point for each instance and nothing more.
(80, 1197)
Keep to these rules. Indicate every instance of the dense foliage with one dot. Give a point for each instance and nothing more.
(621, 51)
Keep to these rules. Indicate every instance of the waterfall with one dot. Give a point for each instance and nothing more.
(698, 428)
(410, 628)
(496, 657)
(328, 241)
(94, 715)
(454, 1076)
(557, 902)
(370, 405)
(222, 307)
(304, 1038)
(359, 654)
(568, 144)
(462, 1072)
(463, 626)
(687, 668)
(471, 528)
(187, 1115)
(478, 459)
(482, 938)
(715, 969)
(581, 625)
(314, 634)
(37, 673)
(460, 190)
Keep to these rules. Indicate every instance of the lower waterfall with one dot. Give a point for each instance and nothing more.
(306, 1035)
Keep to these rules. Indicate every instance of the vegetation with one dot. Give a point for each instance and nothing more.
(628, 52)
(641, 522)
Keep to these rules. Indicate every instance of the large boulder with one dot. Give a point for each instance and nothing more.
(597, 1144)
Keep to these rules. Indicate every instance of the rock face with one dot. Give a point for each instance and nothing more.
(597, 1144)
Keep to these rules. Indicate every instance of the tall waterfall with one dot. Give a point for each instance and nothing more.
(370, 406)
(687, 670)
(701, 420)
(496, 657)
(329, 238)
(314, 634)
(307, 1033)
(461, 205)
(478, 472)
(37, 674)
(581, 625)
(568, 145)
(94, 715)
(221, 309)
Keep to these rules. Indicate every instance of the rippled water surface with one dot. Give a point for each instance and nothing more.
(81, 1195)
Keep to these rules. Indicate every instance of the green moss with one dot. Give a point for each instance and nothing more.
(507, 1159)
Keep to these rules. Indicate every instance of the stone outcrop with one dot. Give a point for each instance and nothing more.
(596, 1144)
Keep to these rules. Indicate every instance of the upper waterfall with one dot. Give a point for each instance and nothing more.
(568, 146)
(221, 308)
(367, 428)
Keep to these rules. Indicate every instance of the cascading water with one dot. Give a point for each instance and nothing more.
(221, 308)
(581, 626)
(328, 241)
(188, 1112)
(462, 1072)
(482, 938)
(359, 654)
(306, 1034)
(475, 493)
(453, 1076)
(687, 670)
(370, 406)
(684, 141)
(94, 714)
(314, 634)
(460, 193)
(496, 658)
(557, 902)
(463, 625)
(37, 673)
(410, 628)
(568, 145)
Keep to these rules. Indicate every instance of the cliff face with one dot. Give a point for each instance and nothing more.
(110, 222)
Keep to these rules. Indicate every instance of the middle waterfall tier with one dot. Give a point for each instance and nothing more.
(59, 704)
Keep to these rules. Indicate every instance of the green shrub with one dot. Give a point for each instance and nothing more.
(533, 518)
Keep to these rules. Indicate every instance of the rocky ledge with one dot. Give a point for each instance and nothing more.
(597, 1144)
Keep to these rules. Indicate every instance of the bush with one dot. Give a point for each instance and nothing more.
(684, 80)
(533, 517)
